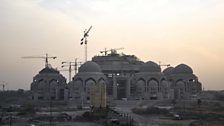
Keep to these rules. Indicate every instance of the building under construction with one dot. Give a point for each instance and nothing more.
(125, 77)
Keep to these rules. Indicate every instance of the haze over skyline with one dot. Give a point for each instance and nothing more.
(170, 31)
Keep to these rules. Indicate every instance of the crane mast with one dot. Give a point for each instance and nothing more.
(85, 41)
(3, 86)
(70, 65)
(77, 64)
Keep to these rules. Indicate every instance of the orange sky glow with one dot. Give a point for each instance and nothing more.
(170, 31)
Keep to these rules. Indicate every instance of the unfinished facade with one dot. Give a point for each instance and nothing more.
(126, 77)
(49, 84)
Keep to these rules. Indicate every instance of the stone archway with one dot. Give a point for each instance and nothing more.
(89, 84)
(53, 89)
(141, 88)
(165, 89)
(153, 89)
(179, 89)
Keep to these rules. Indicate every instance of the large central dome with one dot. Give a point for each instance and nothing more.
(168, 71)
(150, 67)
(182, 69)
(90, 66)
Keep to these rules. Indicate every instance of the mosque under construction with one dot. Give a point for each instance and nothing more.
(121, 77)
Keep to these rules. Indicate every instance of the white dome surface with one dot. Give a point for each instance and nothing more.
(150, 67)
(182, 69)
(168, 71)
(90, 66)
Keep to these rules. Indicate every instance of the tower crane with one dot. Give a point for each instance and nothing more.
(69, 65)
(77, 64)
(84, 40)
(3, 86)
(113, 51)
(46, 58)
(167, 65)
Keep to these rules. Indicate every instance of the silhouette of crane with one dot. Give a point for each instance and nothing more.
(3, 86)
(113, 51)
(84, 40)
(46, 58)
(167, 65)
(69, 65)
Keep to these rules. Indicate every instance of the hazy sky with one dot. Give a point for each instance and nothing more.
(170, 31)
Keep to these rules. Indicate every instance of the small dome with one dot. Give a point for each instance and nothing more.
(150, 67)
(182, 69)
(168, 71)
(47, 70)
(90, 66)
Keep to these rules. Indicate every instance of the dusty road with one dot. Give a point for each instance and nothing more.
(126, 106)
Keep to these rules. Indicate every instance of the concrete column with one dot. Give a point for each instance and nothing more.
(159, 95)
(114, 88)
(57, 91)
(171, 94)
(66, 94)
(128, 87)
(35, 96)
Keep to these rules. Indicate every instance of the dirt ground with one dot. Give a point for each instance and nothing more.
(56, 124)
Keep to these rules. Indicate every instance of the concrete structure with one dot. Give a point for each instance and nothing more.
(83, 83)
(98, 98)
(151, 83)
(49, 84)
(123, 76)
(119, 70)
(130, 78)
(184, 83)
